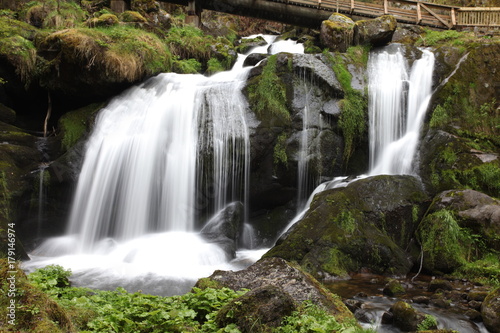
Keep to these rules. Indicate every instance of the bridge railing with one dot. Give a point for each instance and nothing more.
(410, 11)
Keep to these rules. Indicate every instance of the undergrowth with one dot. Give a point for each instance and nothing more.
(70, 309)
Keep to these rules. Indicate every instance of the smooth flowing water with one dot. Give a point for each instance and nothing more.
(163, 157)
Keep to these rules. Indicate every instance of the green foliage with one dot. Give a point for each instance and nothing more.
(312, 318)
(187, 66)
(5, 197)
(440, 117)
(214, 66)
(50, 279)
(429, 322)
(268, 96)
(53, 14)
(440, 236)
(485, 270)
(434, 37)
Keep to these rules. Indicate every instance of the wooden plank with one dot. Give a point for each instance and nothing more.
(436, 16)
(385, 7)
(453, 19)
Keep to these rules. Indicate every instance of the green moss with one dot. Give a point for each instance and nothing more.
(75, 124)
(132, 16)
(214, 66)
(429, 322)
(268, 96)
(187, 66)
(204, 283)
(53, 14)
(336, 262)
(443, 37)
(485, 270)
(446, 245)
(346, 221)
(354, 105)
(280, 156)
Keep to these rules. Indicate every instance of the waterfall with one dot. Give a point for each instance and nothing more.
(162, 158)
(398, 101)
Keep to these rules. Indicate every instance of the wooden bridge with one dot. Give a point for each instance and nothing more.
(311, 13)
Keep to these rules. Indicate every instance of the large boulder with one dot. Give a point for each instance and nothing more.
(365, 225)
(225, 227)
(280, 274)
(490, 311)
(337, 33)
(257, 310)
(376, 32)
(476, 211)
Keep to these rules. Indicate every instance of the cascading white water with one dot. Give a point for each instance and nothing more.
(398, 101)
(159, 154)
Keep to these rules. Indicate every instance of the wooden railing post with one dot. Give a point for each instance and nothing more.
(385, 7)
(453, 18)
(352, 6)
(419, 13)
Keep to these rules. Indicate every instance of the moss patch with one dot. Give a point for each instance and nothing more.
(75, 124)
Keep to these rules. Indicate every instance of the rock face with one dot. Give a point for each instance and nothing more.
(337, 33)
(279, 274)
(490, 310)
(376, 32)
(364, 225)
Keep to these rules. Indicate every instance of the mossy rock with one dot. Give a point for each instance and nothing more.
(105, 20)
(407, 319)
(38, 313)
(278, 273)
(74, 125)
(490, 311)
(129, 16)
(366, 224)
(259, 310)
(246, 44)
(337, 33)
(376, 32)
(393, 288)
(7, 115)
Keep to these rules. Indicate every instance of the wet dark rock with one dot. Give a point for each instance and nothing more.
(436, 284)
(281, 274)
(421, 299)
(490, 311)
(476, 305)
(477, 295)
(244, 45)
(225, 227)
(353, 305)
(7, 115)
(254, 58)
(387, 318)
(473, 315)
(258, 310)
(440, 303)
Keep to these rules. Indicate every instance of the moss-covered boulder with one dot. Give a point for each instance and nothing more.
(407, 319)
(376, 32)
(100, 62)
(292, 280)
(244, 45)
(364, 225)
(490, 311)
(337, 33)
(258, 310)
(393, 288)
